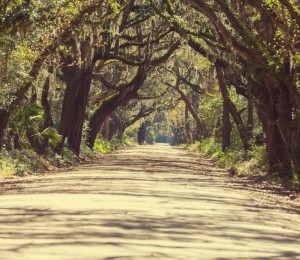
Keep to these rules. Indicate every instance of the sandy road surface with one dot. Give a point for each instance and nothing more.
(153, 202)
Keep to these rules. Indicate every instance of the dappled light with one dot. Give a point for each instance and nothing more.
(161, 129)
(146, 202)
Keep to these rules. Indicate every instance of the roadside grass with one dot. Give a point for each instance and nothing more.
(7, 168)
(104, 146)
(255, 162)
(25, 161)
(237, 162)
(22, 162)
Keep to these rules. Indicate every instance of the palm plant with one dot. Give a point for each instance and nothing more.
(27, 122)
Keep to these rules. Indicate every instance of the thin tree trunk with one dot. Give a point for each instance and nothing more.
(48, 121)
(106, 128)
(142, 133)
(226, 127)
(232, 109)
(200, 128)
(250, 120)
(187, 126)
(4, 118)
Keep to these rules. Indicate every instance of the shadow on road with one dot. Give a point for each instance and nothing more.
(145, 203)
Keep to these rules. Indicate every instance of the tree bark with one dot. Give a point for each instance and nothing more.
(75, 136)
(289, 129)
(48, 121)
(187, 126)
(250, 109)
(278, 154)
(226, 127)
(102, 112)
(4, 118)
(34, 72)
(232, 109)
(142, 133)
(106, 128)
(74, 108)
(113, 102)
(199, 125)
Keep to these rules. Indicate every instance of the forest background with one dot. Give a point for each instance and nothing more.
(82, 77)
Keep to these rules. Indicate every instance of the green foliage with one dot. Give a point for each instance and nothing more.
(36, 36)
(255, 162)
(131, 132)
(21, 162)
(114, 6)
(211, 104)
(51, 134)
(27, 117)
(104, 146)
(67, 157)
(7, 168)
(14, 69)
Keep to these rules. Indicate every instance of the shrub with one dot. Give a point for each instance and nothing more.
(256, 161)
(104, 146)
(252, 163)
(7, 168)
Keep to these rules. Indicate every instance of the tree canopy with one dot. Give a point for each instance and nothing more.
(225, 72)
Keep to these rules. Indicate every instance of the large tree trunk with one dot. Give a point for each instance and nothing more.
(289, 119)
(289, 128)
(75, 136)
(67, 113)
(278, 154)
(37, 64)
(74, 109)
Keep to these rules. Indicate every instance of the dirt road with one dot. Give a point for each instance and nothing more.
(153, 202)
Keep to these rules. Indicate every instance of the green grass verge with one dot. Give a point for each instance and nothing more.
(26, 161)
(255, 162)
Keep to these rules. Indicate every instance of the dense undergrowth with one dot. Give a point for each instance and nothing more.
(26, 161)
(237, 162)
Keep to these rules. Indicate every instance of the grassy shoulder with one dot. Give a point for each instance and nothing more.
(237, 162)
(25, 162)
